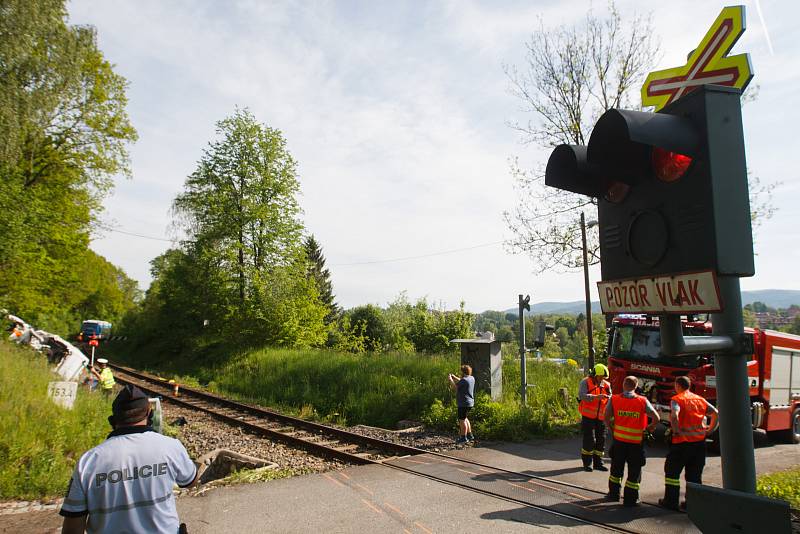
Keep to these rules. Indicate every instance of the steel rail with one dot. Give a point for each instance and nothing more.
(161, 387)
(146, 382)
(500, 496)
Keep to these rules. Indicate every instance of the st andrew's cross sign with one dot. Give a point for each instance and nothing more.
(707, 64)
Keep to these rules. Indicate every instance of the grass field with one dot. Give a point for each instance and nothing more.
(39, 441)
(382, 389)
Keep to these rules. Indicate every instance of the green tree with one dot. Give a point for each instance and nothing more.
(369, 320)
(242, 274)
(322, 277)
(64, 133)
(570, 76)
(240, 205)
(749, 317)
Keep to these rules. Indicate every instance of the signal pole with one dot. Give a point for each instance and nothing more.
(733, 394)
(524, 304)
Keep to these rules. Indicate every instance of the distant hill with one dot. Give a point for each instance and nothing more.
(775, 298)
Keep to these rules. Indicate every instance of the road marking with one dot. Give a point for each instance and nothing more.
(326, 475)
(374, 508)
(584, 497)
(423, 527)
(522, 487)
(364, 488)
(393, 509)
(469, 472)
(416, 461)
(545, 486)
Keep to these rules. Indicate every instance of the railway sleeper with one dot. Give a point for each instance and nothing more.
(347, 447)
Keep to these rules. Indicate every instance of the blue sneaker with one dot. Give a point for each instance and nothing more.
(462, 440)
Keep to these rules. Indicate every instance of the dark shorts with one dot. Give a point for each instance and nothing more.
(463, 412)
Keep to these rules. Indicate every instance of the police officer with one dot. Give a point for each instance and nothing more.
(626, 416)
(105, 377)
(125, 483)
(688, 445)
(593, 394)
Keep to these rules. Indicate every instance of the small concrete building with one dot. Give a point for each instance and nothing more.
(483, 355)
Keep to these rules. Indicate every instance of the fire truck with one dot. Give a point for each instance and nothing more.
(773, 370)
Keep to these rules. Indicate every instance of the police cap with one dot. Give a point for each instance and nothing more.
(130, 406)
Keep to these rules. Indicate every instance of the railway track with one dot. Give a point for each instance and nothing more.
(357, 449)
(316, 438)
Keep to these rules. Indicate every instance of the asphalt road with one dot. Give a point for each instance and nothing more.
(378, 499)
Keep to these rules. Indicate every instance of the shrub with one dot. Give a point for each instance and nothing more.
(784, 485)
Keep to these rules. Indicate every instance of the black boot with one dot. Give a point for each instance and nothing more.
(598, 463)
(613, 489)
(587, 462)
(671, 497)
(630, 497)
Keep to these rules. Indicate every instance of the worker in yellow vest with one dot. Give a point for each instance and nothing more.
(105, 377)
(687, 448)
(593, 394)
(626, 416)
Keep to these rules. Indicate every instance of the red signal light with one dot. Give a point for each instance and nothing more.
(669, 166)
(617, 192)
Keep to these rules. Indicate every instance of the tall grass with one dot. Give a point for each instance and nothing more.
(372, 389)
(381, 389)
(39, 441)
(375, 389)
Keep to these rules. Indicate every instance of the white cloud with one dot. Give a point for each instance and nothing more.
(395, 113)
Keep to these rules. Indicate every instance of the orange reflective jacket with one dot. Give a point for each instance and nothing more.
(594, 409)
(691, 418)
(630, 418)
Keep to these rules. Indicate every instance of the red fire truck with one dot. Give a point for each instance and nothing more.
(773, 370)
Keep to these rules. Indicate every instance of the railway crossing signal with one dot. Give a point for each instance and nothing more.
(672, 192)
(674, 213)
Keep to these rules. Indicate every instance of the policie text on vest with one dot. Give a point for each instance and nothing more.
(118, 475)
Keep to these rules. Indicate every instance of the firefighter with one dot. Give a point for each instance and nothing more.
(626, 416)
(105, 377)
(593, 394)
(687, 448)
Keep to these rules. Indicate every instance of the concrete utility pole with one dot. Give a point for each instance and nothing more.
(587, 295)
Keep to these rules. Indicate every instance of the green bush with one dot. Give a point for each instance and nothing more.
(784, 485)
(39, 441)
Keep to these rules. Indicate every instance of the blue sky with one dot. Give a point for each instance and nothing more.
(396, 113)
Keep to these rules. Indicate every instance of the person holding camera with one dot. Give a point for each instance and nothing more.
(465, 400)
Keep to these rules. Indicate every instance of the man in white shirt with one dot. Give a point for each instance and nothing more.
(125, 484)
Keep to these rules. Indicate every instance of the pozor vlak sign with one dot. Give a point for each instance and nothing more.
(684, 293)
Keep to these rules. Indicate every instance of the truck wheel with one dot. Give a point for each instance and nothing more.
(794, 427)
